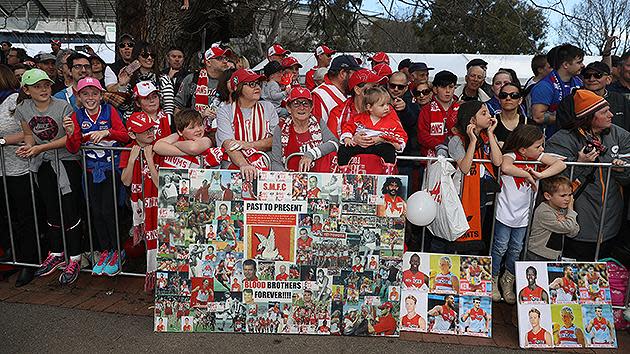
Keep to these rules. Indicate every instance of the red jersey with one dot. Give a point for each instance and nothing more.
(310, 82)
(536, 338)
(414, 280)
(529, 295)
(568, 286)
(394, 206)
(448, 314)
(434, 125)
(389, 127)
(160, 328)
(411, 322)
(162, 125)
(477, 314)
(187, 328)
(313, 193)
(282, 277)
(386, 325)
(326, 97)
(302, 244)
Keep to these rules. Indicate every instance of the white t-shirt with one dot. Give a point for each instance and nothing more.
(514, 199)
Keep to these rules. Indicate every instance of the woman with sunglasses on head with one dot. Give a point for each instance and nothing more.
(244, 127)
(301, 132)
(147, 70)
(510, 115)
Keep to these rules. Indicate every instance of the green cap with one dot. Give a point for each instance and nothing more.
(33, 76)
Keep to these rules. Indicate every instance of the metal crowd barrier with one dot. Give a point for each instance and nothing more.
(112, 150)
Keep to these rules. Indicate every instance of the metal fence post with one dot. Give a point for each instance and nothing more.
(6, 200)
(63, 225)
(494, 214)
(600, 230)
(87, 206)
(34, 204)
(115, 206)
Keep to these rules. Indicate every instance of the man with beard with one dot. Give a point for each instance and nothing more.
(445, 315)
(394, 205)
(329, 95)
(80, 68)
(565, 287)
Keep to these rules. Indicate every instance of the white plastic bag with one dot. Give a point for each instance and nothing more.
(450, 222)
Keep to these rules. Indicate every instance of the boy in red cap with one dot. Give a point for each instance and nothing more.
(98, 124)
(323, 55)
(142, 176)
(148, 101)
(188, 147)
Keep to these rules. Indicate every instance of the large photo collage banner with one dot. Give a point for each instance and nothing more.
(299, 253)
(564, 305)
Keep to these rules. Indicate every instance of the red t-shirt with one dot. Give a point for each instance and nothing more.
(385, 326)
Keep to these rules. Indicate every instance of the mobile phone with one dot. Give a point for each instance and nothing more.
(132, 67)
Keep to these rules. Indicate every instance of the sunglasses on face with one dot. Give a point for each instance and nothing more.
(252, 84)
(397, 87)
(125, 45)
(595, 75)
(512, 95)
(424, 92)
(146, 55)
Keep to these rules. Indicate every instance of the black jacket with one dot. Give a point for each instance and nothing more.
(619, 106)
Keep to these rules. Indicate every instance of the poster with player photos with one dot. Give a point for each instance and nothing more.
(446, 294)
(294, 253)
(564, 305)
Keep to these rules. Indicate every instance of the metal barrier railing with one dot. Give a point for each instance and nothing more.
(112, 151)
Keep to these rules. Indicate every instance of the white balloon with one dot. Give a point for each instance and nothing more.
(421, 208)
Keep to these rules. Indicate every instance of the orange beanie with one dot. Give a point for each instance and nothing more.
(587, 102)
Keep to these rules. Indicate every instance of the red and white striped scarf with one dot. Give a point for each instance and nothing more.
(252, 128)
(314, 130)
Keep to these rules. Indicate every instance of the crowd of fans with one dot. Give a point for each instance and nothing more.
(341, 117)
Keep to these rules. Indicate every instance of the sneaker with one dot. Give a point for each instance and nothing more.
(51, 264)
(113, 266)
(102, 261)
(71, 273)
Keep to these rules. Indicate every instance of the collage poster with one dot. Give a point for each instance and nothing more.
(563, 304)
(446, 294)
(286, 253)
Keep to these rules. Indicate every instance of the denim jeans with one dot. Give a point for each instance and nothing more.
(508, 242)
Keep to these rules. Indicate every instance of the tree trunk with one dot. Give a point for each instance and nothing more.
(163, 24)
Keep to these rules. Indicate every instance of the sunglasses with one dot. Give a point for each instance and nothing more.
(221, 58)
(146, 55)
(512, 95)
(125, 45)
(252, 84)
(397, 87)
(301, 103)
(424, 92)
(595, 75)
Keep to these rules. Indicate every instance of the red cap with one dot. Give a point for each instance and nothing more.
(277, 49)
(382, 70)
(379, 57)
(299, 92)
(56, 42)
(216, 51)
(243, 75)
(364, 75)
(139, 122)
(322, 49)
(387, 305)
(289, 62)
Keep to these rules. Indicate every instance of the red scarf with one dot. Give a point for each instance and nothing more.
(252, 128)
(290, 145)
(202, 91)
(521, 181)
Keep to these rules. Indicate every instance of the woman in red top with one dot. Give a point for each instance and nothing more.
(301, 133)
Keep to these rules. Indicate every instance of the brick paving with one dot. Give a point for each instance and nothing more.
(125, 295)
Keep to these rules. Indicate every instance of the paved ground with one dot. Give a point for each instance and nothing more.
(114, 314)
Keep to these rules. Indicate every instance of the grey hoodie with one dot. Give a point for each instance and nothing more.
(588, 205)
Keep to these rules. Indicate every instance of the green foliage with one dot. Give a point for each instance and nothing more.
(483, 26)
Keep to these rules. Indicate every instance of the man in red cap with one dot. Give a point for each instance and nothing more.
(333, 91)
(277, 53)
(382, 70)
(386, 324)
(198, 89)
(359, 81)
(378, 58)
(323, 55)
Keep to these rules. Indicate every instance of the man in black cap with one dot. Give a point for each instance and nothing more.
(419, 73)
(596, 77)
(404, 65)
(328, 95)
(485, 87)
